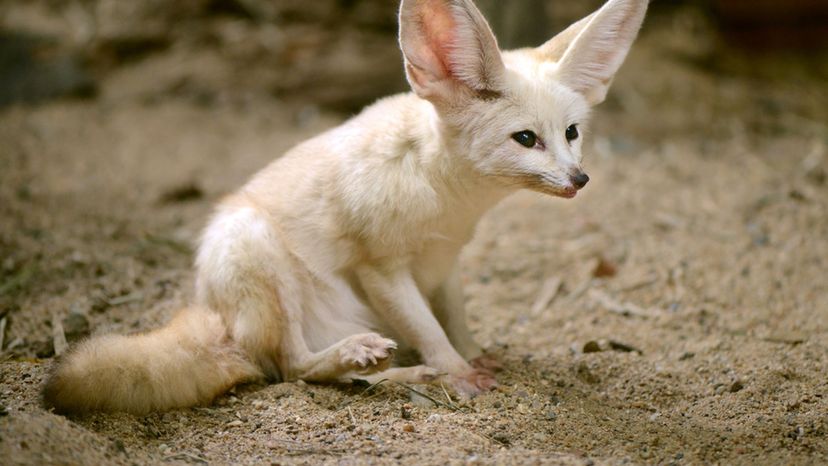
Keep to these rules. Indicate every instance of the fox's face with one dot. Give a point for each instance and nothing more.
(518, 117)
(531, 135)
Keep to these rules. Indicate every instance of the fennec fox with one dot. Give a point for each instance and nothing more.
(347, 246)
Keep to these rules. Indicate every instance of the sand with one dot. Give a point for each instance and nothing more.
(675, 312)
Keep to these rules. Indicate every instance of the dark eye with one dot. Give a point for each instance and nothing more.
(526, 138)
(572, 133)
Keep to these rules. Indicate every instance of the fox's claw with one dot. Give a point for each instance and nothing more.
(368, 353)
(486, 362)
(473, 383)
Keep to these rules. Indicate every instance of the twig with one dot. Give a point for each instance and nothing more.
(623, 308)
(548, 292)
(137, 296)
(640, 283)
(351, 414)
(297, 448)
(58, 335)
(433, 400)
(374, 385)
(348, 403)
(195, 458)
(445, 392)
(2, 332)
(577, 292)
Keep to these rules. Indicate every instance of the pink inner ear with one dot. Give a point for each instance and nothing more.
(438, 27)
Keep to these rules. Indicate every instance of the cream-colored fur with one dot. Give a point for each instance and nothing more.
(347, 246)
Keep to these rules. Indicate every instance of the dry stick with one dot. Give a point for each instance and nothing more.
(641, 283)
(612, 305)
(137, 296)
(2, 332)
(305, 448)
(579, 290)
(374, 385)
(351, 413)
(195, 458)
(370, 387)
(58, 335)
(445, 392)
(433, 400)
(548, 292)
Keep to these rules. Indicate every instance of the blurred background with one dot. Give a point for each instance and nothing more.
(337, 54)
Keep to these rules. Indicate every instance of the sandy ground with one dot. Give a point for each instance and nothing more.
(675, 313)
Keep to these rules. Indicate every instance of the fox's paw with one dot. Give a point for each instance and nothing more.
(473, 383)
(367, 353)
(486, 362)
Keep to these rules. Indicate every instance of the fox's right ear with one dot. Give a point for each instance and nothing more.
(589, 52)
(449, 49)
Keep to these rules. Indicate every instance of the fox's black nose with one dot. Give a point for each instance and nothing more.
(579, 180)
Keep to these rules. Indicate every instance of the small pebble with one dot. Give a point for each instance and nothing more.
(405, 411)
(736, 386)
(686, 355)
(408, 427)
(592, 346)
(235, 423)
(501, 437)
(434, 418)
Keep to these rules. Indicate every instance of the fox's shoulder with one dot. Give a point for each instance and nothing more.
(387, 123)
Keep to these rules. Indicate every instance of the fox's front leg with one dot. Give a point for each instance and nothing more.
(394, 294)
(448, 304)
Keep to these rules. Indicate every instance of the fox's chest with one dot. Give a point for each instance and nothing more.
(437, 255)
(433, 266)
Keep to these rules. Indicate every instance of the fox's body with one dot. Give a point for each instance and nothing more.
(348, 244)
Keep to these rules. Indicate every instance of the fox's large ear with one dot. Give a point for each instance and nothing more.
(448, 46)
(590, 51)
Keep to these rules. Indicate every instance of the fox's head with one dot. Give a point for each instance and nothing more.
(517, 116)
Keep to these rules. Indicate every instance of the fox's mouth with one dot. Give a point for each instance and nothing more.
(544, 185)
(568, 193)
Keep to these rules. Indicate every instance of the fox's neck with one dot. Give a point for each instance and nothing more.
(464, 193)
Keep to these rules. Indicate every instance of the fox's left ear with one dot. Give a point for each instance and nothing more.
(590, 51)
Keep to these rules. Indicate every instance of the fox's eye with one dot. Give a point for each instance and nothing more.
(572, 133)
(526, 138)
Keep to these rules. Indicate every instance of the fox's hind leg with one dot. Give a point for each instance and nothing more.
(248, 275)
(362, 354)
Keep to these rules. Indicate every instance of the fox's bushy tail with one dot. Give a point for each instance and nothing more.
(188, 362)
